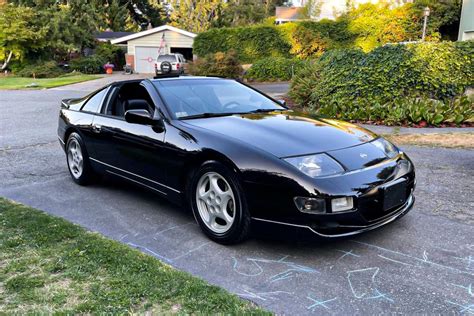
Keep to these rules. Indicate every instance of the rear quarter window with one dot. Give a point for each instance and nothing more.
(94, 103)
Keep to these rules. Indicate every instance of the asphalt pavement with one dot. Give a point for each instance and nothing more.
(423, 263)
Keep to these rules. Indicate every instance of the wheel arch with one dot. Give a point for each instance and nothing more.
(202, 157)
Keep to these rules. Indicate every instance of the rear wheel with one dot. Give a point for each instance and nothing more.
(218, 203)
(78, 160)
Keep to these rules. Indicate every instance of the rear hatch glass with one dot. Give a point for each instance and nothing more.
(170, 58)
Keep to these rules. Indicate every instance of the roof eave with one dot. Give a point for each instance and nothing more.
(152, 31)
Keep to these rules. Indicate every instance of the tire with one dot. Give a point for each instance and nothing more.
(166, 67)
(218, 203)
(78, 161)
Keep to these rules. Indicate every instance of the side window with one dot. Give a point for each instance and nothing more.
(94, 103)
(129, 96)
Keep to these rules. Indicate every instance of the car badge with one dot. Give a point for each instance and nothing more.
(362, 155)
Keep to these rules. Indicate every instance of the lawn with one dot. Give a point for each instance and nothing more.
(448, 140)
(48, 265)
(14, 83)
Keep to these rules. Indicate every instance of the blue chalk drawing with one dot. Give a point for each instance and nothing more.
(191, 251)
(157, 255)
(463, 308)
(258, 272)
(362, 284)
(469, 262)
(318, 303)
(347, 253)
(287, 274)
(469, 288)
(396, 261)
(424, 260)
(170, 228)
(290, 272)
(263, 295)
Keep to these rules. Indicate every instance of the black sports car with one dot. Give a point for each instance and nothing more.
(233, 155)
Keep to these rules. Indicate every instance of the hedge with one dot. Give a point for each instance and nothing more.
(250, 43)
(274, 69)
(303, 40)
(218, 64)
(48, 69)
(351, 84)
(89, 65)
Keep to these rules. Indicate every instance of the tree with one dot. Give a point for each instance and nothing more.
(196, 15)
(243, 12)
(116, 15)
(312, 8)
(143, 12)
(18, 33)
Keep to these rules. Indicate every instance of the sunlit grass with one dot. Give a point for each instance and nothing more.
(48, 265)
(15, 83)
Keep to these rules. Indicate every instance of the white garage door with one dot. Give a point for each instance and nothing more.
(145, 58)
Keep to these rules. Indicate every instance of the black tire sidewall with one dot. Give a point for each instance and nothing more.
(168, 64)
(241, 212)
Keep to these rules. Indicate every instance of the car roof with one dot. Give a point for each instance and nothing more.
(187, 78)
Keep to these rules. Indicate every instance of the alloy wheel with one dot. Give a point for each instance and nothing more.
(215, 202)
(74, 158)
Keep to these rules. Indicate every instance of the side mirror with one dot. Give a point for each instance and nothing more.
(143, 117)
(282, 102)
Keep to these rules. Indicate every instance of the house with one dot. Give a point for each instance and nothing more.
(466, 25)
(144, 47)
(288, 14)
(331, 9)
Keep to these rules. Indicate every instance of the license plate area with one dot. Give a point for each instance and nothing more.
(394, 194)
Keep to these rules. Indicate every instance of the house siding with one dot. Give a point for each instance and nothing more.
(466, 25)
(172, 39)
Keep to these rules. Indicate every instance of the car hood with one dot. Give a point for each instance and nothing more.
(288, 134)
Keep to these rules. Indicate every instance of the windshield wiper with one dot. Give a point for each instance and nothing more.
(206, 114)
(266, 110)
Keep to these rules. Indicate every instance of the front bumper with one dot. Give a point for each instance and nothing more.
(342, 230)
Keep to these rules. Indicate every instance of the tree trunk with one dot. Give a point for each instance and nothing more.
(5, 64)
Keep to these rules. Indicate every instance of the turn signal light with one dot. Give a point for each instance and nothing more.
(342, 204)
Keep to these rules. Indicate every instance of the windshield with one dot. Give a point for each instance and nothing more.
(188, 98)
(170, 58)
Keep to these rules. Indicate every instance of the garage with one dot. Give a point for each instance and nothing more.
(144, 47)
(145, 59)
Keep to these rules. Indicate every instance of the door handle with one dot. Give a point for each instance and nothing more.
(96, 128)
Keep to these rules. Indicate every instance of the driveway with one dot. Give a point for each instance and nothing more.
(423, 263)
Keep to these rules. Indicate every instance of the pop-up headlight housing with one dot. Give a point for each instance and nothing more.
(316, 165)
(387, 147)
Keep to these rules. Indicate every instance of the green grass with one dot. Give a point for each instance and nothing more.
(15, 83)
(48, 265)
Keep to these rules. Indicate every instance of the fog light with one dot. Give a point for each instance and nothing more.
(342, 204)
(310, 205)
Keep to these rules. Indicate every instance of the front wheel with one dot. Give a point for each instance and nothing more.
(218, 203)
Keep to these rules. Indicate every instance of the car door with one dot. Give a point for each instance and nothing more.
(131, 151)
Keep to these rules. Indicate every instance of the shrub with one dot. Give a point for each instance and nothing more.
(381, 85)
(111, 53)
(218, 64)
(249, 43)
(274, 68)
(47, 69)
(310, 39)
(88, 65)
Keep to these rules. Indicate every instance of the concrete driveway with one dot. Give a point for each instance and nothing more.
(423, 263)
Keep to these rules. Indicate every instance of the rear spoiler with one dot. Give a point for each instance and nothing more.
(72, 103)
